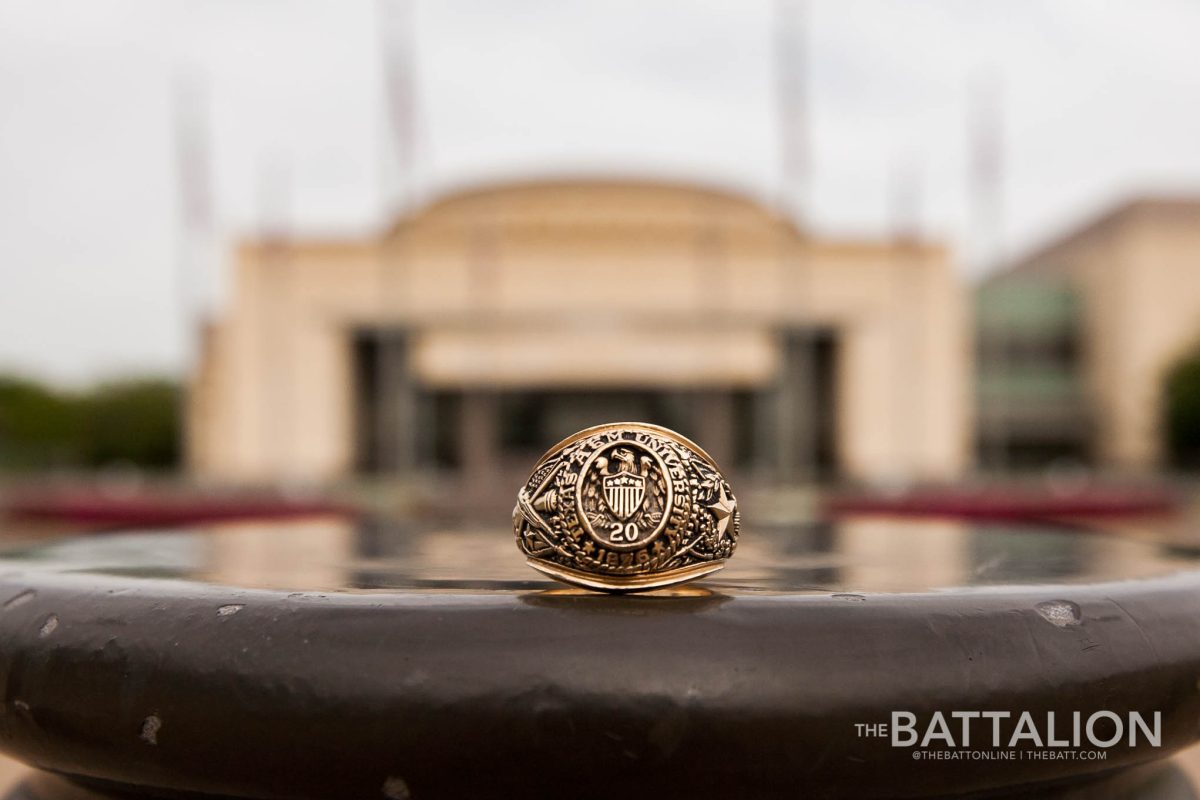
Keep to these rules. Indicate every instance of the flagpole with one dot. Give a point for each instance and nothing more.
(190, 131)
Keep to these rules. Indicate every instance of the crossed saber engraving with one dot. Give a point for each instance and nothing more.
(533, 519)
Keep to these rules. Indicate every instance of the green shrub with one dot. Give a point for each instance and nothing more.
(39, 427)
(1181, 423)
(135, 421)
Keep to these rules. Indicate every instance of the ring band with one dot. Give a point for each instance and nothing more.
(626, 507)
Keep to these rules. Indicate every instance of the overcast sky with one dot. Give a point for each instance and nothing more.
(1100, 102)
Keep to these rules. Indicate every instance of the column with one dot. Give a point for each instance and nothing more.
(795, 408)
(396, 406)
(479, 438)
(714, 425)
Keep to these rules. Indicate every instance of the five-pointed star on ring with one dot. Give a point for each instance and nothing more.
(723, 510)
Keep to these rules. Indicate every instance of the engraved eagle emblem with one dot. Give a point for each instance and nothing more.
(624, 483)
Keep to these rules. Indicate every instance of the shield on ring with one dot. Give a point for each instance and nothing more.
(624, 494)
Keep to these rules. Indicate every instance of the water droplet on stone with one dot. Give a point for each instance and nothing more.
(1062, 613)
(48, 626)
(396, 789)
(150, 728)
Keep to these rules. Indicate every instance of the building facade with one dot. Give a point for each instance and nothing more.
(1078, 362)
(490, 323)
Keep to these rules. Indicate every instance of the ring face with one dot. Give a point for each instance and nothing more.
(626, 507)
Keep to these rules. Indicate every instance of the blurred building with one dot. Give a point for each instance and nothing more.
(1074, 341)
(490, 323)
(1032, 404)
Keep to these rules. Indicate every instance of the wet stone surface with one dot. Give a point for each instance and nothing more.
(849, 558)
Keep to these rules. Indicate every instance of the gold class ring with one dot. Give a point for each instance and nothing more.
(626, 507)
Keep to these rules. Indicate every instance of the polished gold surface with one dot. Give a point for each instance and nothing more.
(626, 507)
